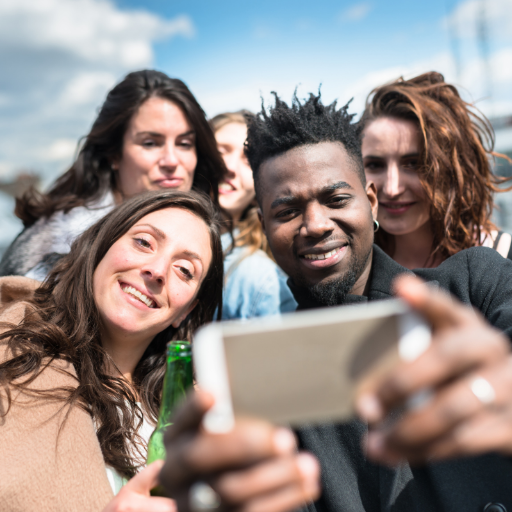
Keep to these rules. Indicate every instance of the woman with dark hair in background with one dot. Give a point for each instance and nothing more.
(430, 154)
(82, 356)
(150, 134)
(254, 284)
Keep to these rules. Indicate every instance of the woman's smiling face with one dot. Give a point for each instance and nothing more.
(391, 152)
(150, 277)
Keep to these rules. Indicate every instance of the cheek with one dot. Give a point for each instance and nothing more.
(189, 162)
(417, 189)
(247, 180)
(136, 163)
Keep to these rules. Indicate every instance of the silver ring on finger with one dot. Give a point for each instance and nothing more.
(483, 390)
(202, 498)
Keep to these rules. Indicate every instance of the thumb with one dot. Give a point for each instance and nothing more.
(147, 479)
(439, 308)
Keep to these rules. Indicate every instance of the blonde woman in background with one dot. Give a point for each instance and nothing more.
(254, 284)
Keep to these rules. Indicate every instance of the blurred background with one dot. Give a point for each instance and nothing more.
(58, 58)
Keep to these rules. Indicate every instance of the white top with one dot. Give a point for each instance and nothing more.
(116, 480)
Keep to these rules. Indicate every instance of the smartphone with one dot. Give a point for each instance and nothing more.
(302, 367)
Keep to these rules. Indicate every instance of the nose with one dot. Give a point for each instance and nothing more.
(156, 270)
(232, 164)
(316, 223)
(168, 157)
(392, 186)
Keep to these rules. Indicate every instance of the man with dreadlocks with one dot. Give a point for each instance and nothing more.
(318, 213)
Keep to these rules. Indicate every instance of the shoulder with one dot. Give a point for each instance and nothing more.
(255, 286)
(15, 291)
(254, 269)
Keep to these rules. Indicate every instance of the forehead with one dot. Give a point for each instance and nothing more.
(390, 135)
(233, 132)
(159, 114)
(181, 227)
(306, 171)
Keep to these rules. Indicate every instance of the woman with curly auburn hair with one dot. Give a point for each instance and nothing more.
(430, 155)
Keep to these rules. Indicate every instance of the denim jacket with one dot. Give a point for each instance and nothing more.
(254, 285)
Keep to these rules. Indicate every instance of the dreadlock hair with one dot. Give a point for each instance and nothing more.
(287, 127)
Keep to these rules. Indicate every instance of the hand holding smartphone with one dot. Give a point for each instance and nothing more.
(302, 367)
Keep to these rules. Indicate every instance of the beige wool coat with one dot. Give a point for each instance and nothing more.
(46, 464)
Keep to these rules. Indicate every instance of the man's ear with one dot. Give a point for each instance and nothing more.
(260, 216)
(371, 193)
(184, 315)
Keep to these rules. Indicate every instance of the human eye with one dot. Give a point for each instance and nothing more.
(185, 269)
(187, 143)
(411, 164)
(339, 200)
(149, 143)
(142, 242)
(186, 273)
(287, 214)
(373, 165)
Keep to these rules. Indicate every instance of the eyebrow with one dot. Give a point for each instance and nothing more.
(409, 155)
(156, 134)
(292, 199)
(160, 234)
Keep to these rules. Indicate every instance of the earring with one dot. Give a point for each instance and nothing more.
(376, 226)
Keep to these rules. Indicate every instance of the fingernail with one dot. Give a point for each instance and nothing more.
(284, 441)
(308, 465)
(369, 408)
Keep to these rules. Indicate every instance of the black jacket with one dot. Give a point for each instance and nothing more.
(350, 483)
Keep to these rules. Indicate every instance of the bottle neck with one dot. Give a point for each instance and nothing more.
(178, 379)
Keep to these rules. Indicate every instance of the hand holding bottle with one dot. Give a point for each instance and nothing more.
(135, 496)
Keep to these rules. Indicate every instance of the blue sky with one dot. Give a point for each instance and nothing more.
(60, 57)
(266, 44)
(241, 46)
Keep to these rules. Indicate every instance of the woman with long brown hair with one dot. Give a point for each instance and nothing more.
(82, 356)
(150, 134)
(254, 284)
(430, 155)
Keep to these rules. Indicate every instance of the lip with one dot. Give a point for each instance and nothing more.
(396, 207)
(168, 182)
(134, 300)
(227, 191)
(329, 262)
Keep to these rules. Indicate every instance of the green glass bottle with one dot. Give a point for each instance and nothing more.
(178, 379)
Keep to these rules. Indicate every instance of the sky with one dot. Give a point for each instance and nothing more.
(58, 58)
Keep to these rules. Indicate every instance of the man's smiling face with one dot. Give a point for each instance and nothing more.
(318, 217)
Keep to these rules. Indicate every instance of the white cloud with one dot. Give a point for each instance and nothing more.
(59, 150)
(94, 30)
(86, 87)
(356, 12)
(58, 59)
(467, 16)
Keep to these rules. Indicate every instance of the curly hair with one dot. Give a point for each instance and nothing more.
(65, 325)
(455, 166)
(311, 122)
